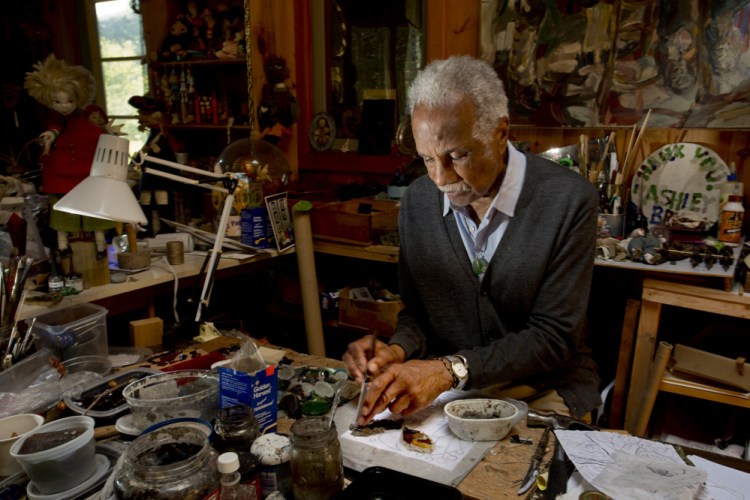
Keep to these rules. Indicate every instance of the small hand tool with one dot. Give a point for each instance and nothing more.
(536, 462)
(365, 382)
(556, 421)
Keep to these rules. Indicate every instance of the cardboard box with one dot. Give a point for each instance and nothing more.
(368, 314)
(257, 390)
(732, 372)
(357, 221)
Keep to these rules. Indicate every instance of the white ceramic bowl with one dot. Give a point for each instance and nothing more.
(11, 430)
(481, 419)
(54, 464)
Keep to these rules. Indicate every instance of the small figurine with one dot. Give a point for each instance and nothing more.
(644, 247)
(278, 109)
(176, 43)
(154, 190)
(69, 142)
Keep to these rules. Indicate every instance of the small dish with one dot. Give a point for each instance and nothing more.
(481, 419)
(127, 356)
(124, 425)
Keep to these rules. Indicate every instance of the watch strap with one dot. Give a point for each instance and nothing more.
(449, 367)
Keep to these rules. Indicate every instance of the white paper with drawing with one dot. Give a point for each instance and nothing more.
(451, 458)
(627, 467)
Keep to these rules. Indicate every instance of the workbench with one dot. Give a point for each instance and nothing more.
(497, 475)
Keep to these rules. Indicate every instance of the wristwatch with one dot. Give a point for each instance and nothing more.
(458, 368)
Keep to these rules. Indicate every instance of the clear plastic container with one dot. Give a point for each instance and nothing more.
(80, 330)
(100, 365)
(59, 455)
(168, 463)
(11, 430)
(178, 394)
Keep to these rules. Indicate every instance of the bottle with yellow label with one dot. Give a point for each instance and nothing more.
(730, 225)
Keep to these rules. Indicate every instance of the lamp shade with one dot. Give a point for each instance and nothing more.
(105, 193)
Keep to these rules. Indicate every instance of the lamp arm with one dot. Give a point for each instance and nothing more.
(139, 158)
(214, 255)
(186, 180)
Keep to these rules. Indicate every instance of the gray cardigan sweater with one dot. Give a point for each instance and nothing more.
(526, 321)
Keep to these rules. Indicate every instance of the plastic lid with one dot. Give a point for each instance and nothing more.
(272, 449)
(228, 462)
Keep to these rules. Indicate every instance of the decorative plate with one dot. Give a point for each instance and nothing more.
(680, 180)
(322, 132)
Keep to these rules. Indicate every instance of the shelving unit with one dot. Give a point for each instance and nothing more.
(656, 294)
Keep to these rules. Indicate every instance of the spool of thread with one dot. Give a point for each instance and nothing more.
(175, 253)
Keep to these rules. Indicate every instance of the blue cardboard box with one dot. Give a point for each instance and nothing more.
(257, 390)
(255, 228)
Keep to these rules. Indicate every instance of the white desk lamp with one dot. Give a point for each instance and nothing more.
(106, 194)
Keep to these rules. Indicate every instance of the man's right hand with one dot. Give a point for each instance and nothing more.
(358, 352)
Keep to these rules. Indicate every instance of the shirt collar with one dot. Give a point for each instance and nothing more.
(506, 199)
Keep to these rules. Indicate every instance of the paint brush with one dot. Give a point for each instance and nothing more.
(602, 157)
(631, 153)
(630, 146)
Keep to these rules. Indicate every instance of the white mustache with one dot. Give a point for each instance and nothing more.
(458, 187)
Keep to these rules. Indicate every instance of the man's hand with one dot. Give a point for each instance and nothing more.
(358, 352)
(405, 388)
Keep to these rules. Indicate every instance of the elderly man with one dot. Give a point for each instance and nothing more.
(497, 251)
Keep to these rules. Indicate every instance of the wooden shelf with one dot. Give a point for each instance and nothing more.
(677, 385)
(207, 126)
(199, 62)
(380, 253)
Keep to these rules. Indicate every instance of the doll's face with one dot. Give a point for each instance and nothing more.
(63, 102)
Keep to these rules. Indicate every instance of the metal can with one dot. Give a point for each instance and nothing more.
(316, 460)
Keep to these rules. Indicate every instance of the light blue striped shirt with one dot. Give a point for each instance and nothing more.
(491, 228)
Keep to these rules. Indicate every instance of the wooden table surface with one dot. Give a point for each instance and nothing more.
(497, 475)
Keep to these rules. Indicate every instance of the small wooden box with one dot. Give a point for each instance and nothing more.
(368, 314)
(357, 221)
(146, 332)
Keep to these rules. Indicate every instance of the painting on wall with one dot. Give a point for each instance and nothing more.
(606, 62)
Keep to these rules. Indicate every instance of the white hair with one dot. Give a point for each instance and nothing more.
(446, 82)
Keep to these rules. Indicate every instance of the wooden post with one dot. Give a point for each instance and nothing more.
(624, 358)
(655, 375)
(308, 280)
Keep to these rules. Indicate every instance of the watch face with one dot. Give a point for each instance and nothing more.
(459, 368)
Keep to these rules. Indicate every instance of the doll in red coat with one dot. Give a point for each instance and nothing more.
(69, 142)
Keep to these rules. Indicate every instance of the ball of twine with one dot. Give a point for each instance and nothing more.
(175, 253)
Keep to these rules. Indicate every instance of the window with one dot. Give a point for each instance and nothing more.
(118, 51)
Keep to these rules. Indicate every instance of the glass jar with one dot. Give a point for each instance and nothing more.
(236, 428)
(317, 466)
(168, 463)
